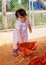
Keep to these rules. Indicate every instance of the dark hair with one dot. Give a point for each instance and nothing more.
(20, 12)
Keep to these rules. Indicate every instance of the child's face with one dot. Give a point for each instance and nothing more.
(22, 19)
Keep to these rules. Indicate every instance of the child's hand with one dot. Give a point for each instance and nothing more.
(21, 41)
(30, 30)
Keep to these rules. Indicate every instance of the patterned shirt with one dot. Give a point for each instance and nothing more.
(23, 31)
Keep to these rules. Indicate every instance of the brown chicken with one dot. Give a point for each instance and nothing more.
(40, 60)
(27, 48)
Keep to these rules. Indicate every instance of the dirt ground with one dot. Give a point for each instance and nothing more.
(7, 58)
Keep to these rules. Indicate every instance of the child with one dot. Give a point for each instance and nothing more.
(20, 32)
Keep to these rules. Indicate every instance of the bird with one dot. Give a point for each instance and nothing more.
(38, 60)
(27, 48)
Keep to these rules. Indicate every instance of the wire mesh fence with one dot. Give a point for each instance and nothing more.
(13, 5)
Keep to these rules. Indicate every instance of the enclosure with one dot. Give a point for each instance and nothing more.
(37, 15)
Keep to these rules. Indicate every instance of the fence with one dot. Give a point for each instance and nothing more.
(37, 17)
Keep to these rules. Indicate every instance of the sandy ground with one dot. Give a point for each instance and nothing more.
(6, 39)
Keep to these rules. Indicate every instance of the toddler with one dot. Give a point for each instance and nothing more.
(20, 34)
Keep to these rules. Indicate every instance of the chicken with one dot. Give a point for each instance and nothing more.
(27, 48)
(40, 60)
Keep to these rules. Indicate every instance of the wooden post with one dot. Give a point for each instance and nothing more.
(4, 16)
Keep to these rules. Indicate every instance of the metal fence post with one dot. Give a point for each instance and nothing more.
(32, 14)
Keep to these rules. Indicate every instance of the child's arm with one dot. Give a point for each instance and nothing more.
(29, 26)
(19, 36)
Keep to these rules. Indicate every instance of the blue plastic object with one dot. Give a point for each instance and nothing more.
(36, 5)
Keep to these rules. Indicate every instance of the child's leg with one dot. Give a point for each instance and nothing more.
(14, 45)
(15, 49)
